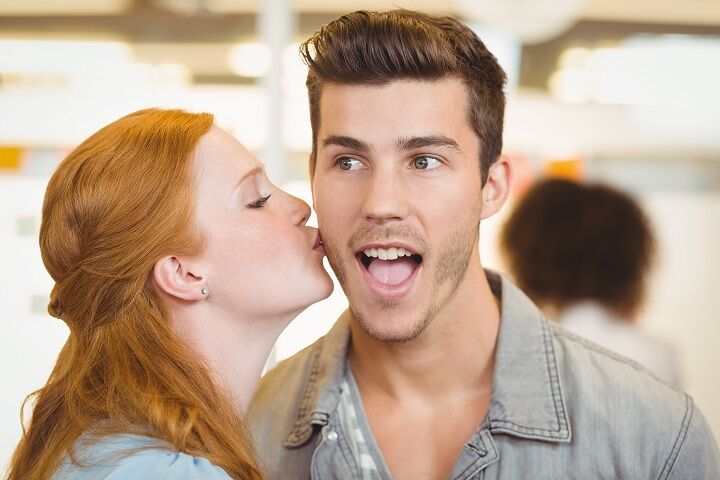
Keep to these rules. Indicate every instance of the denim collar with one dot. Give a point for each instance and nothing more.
(527, 401)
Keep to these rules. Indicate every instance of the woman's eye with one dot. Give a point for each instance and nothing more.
(426, 162)
(259, 203)
(349, 163)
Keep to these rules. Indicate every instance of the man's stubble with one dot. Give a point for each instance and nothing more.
(450, 267)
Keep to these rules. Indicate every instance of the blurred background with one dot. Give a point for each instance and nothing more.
(623, 92)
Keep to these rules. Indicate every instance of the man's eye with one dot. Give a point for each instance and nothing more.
(426, 162)
(349, 163)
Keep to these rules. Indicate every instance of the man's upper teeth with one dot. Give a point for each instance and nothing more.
(391, 253)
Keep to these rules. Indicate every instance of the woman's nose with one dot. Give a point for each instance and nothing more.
(299, 210)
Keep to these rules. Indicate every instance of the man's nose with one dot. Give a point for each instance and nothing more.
(384, 198)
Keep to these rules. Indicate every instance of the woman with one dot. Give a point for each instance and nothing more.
(176, 264)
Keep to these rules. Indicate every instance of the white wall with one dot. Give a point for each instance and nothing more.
(30, 339)
(684, 301)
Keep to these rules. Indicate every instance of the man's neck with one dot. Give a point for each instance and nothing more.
(454, 356)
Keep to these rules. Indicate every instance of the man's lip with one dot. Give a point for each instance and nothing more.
(405, 246)
(388, 292)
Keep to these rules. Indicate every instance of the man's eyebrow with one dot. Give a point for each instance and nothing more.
(347, 142)
(413, 143)
(248, 174)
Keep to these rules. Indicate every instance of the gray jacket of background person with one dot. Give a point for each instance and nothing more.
(562, 407)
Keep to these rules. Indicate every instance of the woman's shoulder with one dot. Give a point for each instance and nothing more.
(138, 457)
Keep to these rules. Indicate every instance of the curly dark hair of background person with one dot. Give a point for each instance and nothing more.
(567, 242)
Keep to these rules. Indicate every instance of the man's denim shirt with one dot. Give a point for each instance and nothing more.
(562, 408)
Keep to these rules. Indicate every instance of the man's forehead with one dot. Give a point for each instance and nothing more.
(399, 90)
(399, 101)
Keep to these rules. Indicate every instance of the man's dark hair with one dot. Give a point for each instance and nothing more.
(380, 47)
(566, 242)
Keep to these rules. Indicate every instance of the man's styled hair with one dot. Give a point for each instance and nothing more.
(566, 242)
(379, 47)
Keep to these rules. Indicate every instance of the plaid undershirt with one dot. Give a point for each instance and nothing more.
(358, 433)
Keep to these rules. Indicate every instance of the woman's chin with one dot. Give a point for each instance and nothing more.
(330, 287)
(321, 289)
(321, 284)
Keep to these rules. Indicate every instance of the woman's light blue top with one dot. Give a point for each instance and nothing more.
(107, 459)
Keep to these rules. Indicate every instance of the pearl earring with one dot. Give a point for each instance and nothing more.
(204, 291)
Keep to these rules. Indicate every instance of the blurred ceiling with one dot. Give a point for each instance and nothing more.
(194, 42)
(690, 12)
(199, 33)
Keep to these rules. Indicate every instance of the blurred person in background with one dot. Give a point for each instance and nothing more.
(583, 253)
(177, 264)
(440, 368)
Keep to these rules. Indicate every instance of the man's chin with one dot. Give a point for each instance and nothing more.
(392, 327)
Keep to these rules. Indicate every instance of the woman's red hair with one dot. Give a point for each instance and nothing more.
(119, 202)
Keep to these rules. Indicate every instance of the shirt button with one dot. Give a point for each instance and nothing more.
(332, 435)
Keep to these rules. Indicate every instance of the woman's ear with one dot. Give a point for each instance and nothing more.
(497, 187)
(173, 277)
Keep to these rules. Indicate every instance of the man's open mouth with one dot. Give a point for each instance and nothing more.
(390, 266)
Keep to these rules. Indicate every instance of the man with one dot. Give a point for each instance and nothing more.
(440, 369)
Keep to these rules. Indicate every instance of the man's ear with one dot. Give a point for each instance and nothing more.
(172, 276)
(497, 186)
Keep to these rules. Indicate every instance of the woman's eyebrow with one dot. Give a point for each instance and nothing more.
(255, 171)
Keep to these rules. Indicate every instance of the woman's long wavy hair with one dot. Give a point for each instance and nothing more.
(119, 202)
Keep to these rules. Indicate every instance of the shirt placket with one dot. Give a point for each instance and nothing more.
(332, 459)
(479, 453)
